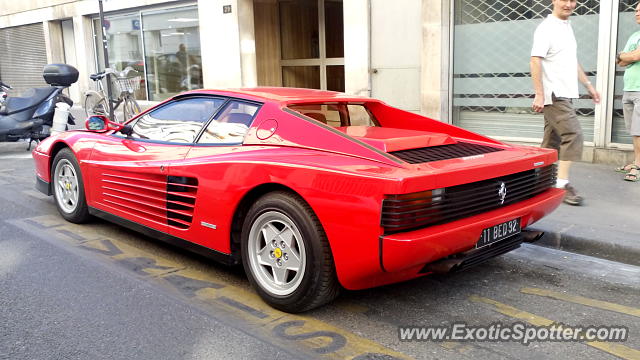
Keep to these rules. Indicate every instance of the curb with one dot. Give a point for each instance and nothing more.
(589, 246)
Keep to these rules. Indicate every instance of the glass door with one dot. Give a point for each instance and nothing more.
(312, 44)
(626, 27)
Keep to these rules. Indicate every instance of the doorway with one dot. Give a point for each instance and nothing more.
(300, 43)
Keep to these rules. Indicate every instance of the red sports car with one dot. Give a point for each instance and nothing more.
(311, 190)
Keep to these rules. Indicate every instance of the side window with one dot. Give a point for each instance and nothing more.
(179, 121)
(360, 116)
(231, 125)
(331, 114)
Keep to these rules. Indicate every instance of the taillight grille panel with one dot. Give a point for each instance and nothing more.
(418, 210)
(443, 152)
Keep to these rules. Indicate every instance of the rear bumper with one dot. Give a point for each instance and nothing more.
(403, 251)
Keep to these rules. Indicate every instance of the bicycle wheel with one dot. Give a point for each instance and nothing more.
(95, 104)
(130, 107)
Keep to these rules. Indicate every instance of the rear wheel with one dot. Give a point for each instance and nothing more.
(286, 254)
(68, 188)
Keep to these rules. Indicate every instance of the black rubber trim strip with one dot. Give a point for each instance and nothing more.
(340, 133)
(227, 259)
(381, 241)
(43, 186)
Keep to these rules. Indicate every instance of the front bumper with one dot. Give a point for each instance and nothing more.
(407, 250)
(43, 186)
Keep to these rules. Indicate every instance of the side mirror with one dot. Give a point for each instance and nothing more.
(97, 123)
(101, 123)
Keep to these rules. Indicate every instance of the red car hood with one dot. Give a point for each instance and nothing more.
(390, 139)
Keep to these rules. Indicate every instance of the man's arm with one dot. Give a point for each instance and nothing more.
(536, 77)
(626, 58)
(587, 84)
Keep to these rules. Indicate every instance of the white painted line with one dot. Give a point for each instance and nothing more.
(16, 156)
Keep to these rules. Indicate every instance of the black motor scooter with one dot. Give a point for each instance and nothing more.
(31, 115)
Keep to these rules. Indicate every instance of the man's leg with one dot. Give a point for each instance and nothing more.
(552, 140)
(564, 167)
(567, 126)
(636, 149)
(631, 108)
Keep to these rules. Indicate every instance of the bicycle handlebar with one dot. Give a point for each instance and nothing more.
(108, 71)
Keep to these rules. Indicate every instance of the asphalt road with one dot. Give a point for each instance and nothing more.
(100, 291)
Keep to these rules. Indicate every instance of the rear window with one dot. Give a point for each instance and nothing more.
(337, 115)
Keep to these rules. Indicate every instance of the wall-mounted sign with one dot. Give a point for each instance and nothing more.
(226, 9)
(135, 24)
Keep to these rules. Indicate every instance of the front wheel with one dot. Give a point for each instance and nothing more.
(68, 188)
(95, 104)
(130, 107)
(286, 254)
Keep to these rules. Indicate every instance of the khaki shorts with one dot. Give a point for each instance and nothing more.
(631, 109)
(562, 130)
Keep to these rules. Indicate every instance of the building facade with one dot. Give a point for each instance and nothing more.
(462, 62)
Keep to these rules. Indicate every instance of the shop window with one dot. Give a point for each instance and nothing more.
(124, 45)
(626, 27)
(170, 61)
(492, 88)
(172, 52)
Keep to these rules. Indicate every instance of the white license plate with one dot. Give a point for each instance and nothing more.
(499, 232)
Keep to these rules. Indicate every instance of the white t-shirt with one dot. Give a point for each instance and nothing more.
(555, 43)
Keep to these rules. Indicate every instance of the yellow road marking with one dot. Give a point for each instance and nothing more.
(583, 301)
(47, 220)
(352, 307)
(320, 337)
(295, 326)
(618, 350)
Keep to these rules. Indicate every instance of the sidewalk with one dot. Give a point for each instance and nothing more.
(607, 225)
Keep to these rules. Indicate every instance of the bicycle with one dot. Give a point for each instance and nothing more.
(122, 87)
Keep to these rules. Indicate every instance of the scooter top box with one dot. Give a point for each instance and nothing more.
(60, 74)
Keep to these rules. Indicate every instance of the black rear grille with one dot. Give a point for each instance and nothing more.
(418, 210)
(443, 152)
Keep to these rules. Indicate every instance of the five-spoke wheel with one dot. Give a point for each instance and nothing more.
(277, 253)
(68, 189)
(286, 254)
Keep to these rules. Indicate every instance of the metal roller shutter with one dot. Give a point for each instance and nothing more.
(23, 56)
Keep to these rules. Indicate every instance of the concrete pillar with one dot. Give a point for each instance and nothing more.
(247, 43)
(220, 43)
(435, 60)
(85, 53)
(357, 40)
(53, 41)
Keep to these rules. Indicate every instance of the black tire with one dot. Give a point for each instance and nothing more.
(73, 209)
(317, 284)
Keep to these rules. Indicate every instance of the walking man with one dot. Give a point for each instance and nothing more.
(555, 73)
(629, 58)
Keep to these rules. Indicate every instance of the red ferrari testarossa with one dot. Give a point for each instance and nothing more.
(310, 190)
